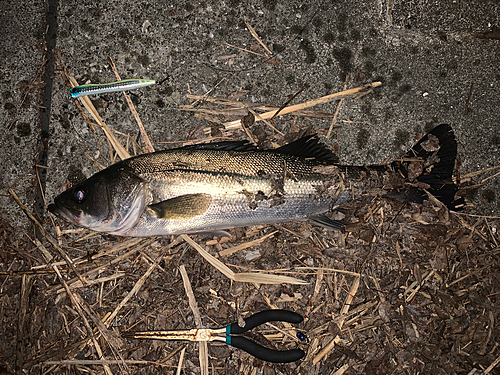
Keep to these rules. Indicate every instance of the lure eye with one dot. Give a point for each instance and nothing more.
(79, 196)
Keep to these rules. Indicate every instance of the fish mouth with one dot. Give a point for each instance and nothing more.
(64, 212)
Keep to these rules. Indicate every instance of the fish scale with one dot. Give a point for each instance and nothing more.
(231, 179)
(243, 163)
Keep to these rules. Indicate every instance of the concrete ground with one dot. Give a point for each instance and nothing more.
(434, 67)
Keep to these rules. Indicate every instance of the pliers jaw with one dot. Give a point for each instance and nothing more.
(197, 334)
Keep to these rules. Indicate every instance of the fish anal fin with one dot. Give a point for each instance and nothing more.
(182, 207)
(409, 194)
(211, 233)
(324, 221)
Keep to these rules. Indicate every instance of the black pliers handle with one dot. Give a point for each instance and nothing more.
(257, 350)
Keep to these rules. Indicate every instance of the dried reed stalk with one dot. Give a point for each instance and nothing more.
(308, 104)
(260, 278)
(203, 354)
(120, 150)
(144, 135)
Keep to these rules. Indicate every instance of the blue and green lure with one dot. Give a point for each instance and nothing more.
(126, 84)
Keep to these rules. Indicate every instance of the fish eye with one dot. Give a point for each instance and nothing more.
(79, 196)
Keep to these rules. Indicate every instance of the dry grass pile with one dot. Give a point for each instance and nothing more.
(409, 289)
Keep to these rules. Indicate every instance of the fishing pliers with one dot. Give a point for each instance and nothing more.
(225, 335)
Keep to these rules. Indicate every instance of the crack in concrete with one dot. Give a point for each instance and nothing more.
(43, 142)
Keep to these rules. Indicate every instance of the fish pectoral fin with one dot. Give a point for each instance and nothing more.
(182, 207)
(324, 221)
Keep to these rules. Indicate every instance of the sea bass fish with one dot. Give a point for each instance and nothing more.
(211, 187)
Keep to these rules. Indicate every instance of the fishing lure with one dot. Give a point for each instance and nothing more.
(126, 84)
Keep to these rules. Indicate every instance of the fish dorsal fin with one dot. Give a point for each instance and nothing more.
(240, 146)
(305, 147)
(182, 207)
(309, 147)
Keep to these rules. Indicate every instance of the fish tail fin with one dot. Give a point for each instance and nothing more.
(429, 166)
